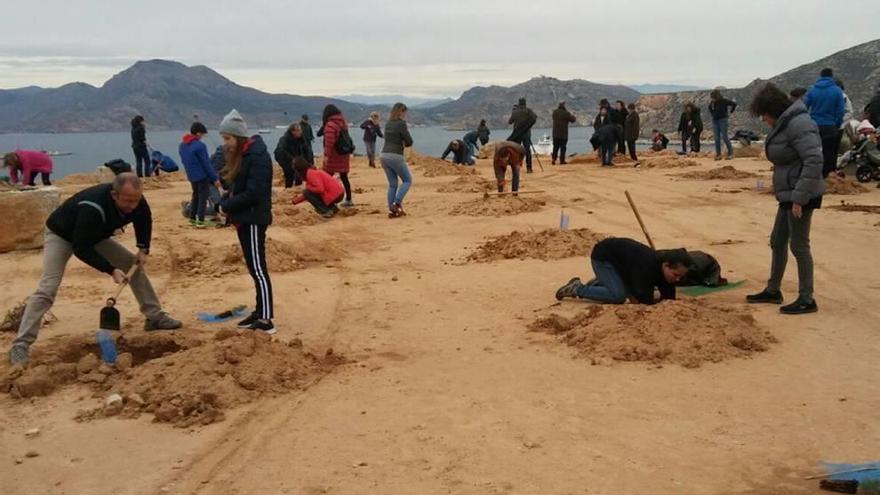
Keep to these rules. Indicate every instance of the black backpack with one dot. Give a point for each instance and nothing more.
(344, 144)
(118, 166)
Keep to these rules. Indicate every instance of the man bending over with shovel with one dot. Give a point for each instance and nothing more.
(82, 226)
(508, 154)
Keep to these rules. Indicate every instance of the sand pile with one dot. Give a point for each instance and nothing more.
(550, 244)
(435, 167)
(468, 184)
(84, 179)
(669, 161)
(652, 153)
(497, 206)
(178, 379)
(163, 181)
(5, 186)
(588, 158)
(748, 151)
(856, 208)
(688, 333)
(839, 185)
(727, 172)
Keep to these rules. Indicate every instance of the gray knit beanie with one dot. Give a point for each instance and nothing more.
(233, 124)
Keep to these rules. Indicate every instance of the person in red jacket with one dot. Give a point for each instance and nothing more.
(335, 163)
(29, 164)
(322, 190)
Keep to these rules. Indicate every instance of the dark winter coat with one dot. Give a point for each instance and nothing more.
(249, 200)
(522, 118)
(139, 138)
(483, 132)
(632, 126)
(873, 110)
(194, 156)
(690, 123)
(561, 119)
(721, 108)
(600, 121)
(289, 148)
(371, 131)
(308, 134)
(397, 137)
(638, 266)
(795, 149)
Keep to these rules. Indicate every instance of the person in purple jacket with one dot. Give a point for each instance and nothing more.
(199, 171)
(372, 130)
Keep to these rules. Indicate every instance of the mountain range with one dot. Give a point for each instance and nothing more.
(170, 95)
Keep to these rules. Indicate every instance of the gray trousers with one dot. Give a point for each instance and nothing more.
(56, 253)
(793, 232)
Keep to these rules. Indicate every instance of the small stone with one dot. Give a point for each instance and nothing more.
(394, 278)
(19, 461)
(106, 369)
(136, 400)
(113, 405)
(359, 464)
(87, 363)
(33, 432)
(32, 453)
(124, 361)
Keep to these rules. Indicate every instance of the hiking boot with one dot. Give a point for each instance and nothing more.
(162, 322)
(799, 307)
(569, 289)
(346, 204)
(193, 222)
(329, 214)
(247, 322)
(18, 354)
(529, 171)
(264, 326)
(729, 156)
(765, 296)
(717, 158)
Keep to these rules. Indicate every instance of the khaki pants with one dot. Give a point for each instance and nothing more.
(56, 253)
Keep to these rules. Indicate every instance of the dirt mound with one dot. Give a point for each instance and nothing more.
(652, 153)
(435, 167)
(550, 244)
(178, 379)
(468, 184)
(856, 208)
(588, 158)
(5, 186)
(497, 206)
(748, 152)
(839, 185)
(688, 333)
(191, 259)
(727, 172)
(89, 178)
(163, 181)
(668, 161)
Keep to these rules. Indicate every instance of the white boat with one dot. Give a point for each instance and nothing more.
(544, 146)
(58, 153)
(265, 131)
(281, 127)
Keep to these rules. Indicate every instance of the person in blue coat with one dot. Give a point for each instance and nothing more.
(826, 103)
(199, 171)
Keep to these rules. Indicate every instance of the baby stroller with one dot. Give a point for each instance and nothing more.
(864, 155)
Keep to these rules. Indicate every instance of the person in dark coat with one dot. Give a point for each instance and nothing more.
(625, 268)
(827, 105)
(483, 132)
(605, 137)
(872, 109)
(335, 162)
(139, 146)
(372, 130)
(690, 127)
(631, 130)
(291, 145)
(472, 140)
(523, 119)
(618, 116)
(561, 120)
(247, 204)
(794, 147)
(659, 141)
(720, 108)
(461, 154)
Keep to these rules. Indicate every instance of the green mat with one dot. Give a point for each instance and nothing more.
(700, 290)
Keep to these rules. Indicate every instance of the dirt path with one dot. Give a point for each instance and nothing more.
(449, 392)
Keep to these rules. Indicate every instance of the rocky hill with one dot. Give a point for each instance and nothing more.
(543, 94)
(858, 67)
(167, 93)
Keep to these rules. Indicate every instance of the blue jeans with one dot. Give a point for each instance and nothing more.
(472, 147)
(396, 169)
(607, 151)
(608, 288)
(719, 127)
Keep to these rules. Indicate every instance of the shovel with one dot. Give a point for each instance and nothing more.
(109, 314)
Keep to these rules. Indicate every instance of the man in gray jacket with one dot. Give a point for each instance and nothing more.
(795, 149)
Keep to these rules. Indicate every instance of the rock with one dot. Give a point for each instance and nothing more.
(32, 453)
(87, 364)
(394, 278)
(23, 217)
(113, 405)
(93, 377)
(33, 432)
(166, 413)
(136, 400)
(64, 372)
(124, 361)
(19, 461)
(33, 385)
(106, 369)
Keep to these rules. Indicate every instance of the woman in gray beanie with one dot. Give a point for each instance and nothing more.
(248, 205)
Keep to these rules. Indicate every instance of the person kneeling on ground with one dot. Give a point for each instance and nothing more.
(508, 153)
(322, 191)
(29, 164)
(627, 268)
(659, 141)
(82, 226)
(461, 154)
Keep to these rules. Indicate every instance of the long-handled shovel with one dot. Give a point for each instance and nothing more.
(635, 210)
(535, 153)
(109, 314)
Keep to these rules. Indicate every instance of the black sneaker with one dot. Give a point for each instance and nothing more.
(799, 307)
(247, 322)
(765, 296)
(264, 326)
(569, 289)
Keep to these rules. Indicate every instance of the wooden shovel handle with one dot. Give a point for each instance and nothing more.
(635, 210)
(112, 301)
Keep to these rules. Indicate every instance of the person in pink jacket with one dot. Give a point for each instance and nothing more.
(334, 162)
(29, 164)
(321, 189)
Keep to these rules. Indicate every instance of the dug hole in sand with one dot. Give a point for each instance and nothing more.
(684, 332)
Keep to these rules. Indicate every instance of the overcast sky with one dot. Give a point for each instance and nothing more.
(427, 48)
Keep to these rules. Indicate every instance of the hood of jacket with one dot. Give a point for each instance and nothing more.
(254, 145)
(189, 138)
(825, 82)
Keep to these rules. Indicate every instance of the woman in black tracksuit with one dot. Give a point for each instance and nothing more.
(142, 164)
(248, 204)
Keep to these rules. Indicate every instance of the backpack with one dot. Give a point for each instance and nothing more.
(118, 166)
(344, 144)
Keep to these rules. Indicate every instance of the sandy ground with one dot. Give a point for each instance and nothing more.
(446, 390)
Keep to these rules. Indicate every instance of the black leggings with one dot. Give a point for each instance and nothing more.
(343, 176)
(43, 175)
(253, 243)
(631, 144)
(142, 163)
(201, 191)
